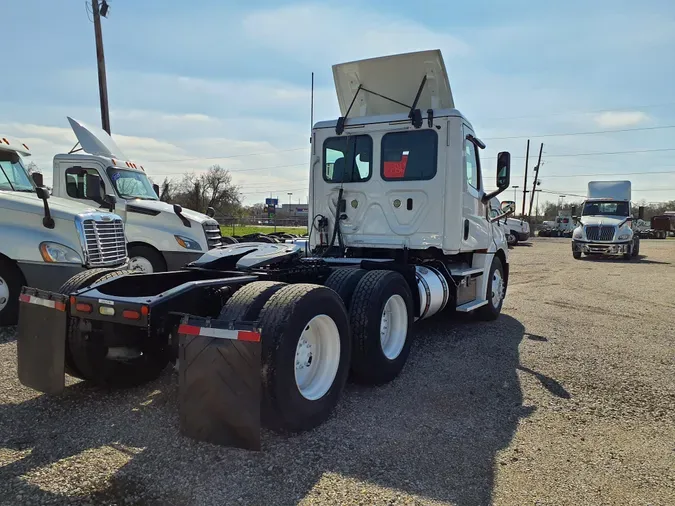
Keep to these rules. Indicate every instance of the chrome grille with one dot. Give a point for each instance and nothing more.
(600, 233)
(105, 242)
(213, 234)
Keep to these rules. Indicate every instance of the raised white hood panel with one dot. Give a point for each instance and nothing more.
(397, 77)
(95, 141)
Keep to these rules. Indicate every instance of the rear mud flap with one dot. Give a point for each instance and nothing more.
(219, 385)
(41, 344)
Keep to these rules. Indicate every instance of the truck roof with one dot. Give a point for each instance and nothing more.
(388, 83)
(613, 190)
(388, 118)
(13, 145)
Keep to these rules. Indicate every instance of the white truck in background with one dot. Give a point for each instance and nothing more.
(160, 236)
(516, 229)
(606, 225)
(46, 241)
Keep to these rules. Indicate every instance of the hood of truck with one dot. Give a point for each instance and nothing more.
(95, 141)
(518, 224)
(602, 220)
(30, 203)
(397, 77)
(164, 207)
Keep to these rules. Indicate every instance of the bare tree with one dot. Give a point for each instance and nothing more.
(213, 188)
(32, 167)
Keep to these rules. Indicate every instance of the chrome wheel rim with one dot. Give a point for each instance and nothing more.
(393, 326)
(497, 288)
(317, 357)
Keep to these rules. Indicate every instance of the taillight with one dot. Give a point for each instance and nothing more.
(129, 314)
(83, 308)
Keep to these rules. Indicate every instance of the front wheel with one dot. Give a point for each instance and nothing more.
(496, 290)
(146, 260)
(576, 255)
(11, 281)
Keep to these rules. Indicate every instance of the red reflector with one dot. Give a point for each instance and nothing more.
(247, 335)
(24, 298)
(83, 308)
(145, 310)
(72, 301)
(61, 306)
(190, 330)
(131, 315)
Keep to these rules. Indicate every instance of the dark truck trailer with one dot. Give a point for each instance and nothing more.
(663, 225)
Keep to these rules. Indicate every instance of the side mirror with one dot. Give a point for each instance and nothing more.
(37, 179)
(507, 206)
(177, 208)
(93, 187)
(641, 212)
(210, 212)
(110, 201)
(42, 192)
(155, 187)
(503, 170)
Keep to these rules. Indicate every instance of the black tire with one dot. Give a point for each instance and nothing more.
(344, 281)
(515, 237)
(283, 320)
(248, 301)
(576, 255)
(151, 255)
(636, 248)
(370, 365)
(489, 311)
(226, 239)
(265, 238)
(88, 355)
(11, 277)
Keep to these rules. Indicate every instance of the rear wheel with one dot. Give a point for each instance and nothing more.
(381, 316)
(344, 281)
(305, 356)
(496, 290)
(248, 301)
(11, 281)
(119, 367)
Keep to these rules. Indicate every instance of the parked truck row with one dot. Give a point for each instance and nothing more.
(267, 334)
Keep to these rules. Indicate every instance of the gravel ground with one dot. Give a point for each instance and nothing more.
(568, 398)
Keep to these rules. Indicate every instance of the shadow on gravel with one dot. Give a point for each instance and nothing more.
(435, 432)
(7, 334)
(641, 259)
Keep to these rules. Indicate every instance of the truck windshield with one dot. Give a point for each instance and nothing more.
(131, 184)
(13, 175)
(605, 209)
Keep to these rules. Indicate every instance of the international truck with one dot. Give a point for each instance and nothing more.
(400, 231)
(44, 240)
(606, 225)
(161, 236)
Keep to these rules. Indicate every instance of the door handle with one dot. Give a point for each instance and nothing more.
(466, 229)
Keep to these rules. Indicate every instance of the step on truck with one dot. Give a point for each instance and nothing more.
(45, 241)
(606, 225)
(161, 236)
(267, 334)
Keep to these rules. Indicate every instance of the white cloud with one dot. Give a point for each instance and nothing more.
(615, 119)
(319, 33)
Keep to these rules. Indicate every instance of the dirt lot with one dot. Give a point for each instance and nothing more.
(567, 399)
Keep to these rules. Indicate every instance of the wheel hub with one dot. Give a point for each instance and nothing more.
(497, 288)
(4, 294)
(317, 357)
(393, 326)
(140, 264)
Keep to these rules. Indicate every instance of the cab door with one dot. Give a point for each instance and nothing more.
(476, 229)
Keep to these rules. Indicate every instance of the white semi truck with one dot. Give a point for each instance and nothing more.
(400, 231)
(606, 225)
(45, 241)
(517, 229)
(161, 236)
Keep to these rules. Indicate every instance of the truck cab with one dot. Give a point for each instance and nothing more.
(161, 236)
(606, 225)
(516, 229)
(47, 240)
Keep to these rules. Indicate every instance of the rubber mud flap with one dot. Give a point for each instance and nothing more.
(41, 345)
(219, 382)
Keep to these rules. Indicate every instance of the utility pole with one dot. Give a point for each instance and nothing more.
(527, 159)
(100, 59)
(536, 178)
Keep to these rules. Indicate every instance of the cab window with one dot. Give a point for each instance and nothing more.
(409, 156)
(76, 182)
(472, 164)
(348, 159)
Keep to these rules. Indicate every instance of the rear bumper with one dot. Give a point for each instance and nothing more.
(48, 276)
(614, 248)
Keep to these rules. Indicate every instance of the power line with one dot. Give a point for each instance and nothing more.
(608, 174)
(567, 155)
(570, 113)
(568, 134)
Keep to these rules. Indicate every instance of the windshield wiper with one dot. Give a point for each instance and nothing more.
(7, 178)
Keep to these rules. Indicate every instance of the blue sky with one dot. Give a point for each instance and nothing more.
(190, 82)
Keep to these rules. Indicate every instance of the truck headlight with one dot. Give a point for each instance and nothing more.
(623, 237)
(53, 252)
(187, 243)
(578, 234)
